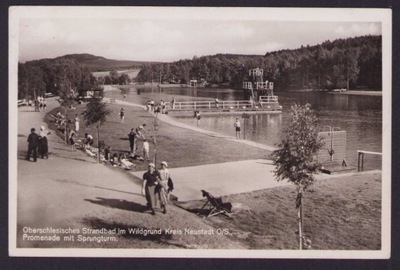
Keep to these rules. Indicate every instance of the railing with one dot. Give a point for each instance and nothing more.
(360, 162)
(268, 99)
(186, 105)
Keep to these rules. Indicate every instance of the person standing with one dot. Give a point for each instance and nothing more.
(30, 104)
(173, 103)
(150, 181)
(132, 141)
(43, 145)
(237, 128)
(122, 114)
(162, 188)
(32, 145)
(141, 132)
(44, 105)
(146, 149)
(76, 121)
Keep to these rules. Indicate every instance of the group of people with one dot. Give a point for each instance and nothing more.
(73, 140)
(37, 144)
(157, 185)
(157, 108)
(39, 104)
(133, 136)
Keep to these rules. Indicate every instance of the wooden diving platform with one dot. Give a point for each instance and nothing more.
(225, 107)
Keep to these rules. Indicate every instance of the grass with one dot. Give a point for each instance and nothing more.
(339, 214)
(179, 147)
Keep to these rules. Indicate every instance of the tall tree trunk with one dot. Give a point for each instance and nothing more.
(299, 205)
(98, 144)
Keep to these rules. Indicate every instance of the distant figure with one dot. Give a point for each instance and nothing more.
(43, 145)
(146, 150)
(173, 103)
(32, 145)
(152, 105)
(216, 102)
(150, 181)
(132, 141)
(88, 141)
(163, 109)
(71, 139)
(198, 117)
(44, 105)
(30, 104)
(237, 128)
(76, 121)
(148, 106)
(141, 132)
(107, 153)
(122, 114)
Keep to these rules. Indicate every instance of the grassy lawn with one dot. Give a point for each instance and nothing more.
(179, 147)
(339, 214)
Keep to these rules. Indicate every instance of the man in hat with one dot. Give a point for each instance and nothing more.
(33, 139)
(150, 181)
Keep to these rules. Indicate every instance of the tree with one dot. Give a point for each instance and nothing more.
(96, 114)
(295, 160)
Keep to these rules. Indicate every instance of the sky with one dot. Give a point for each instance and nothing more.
(169, 35)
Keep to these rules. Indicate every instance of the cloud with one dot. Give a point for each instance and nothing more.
(358, 29)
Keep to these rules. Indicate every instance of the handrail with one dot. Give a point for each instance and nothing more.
(360, 160)
(211, 104)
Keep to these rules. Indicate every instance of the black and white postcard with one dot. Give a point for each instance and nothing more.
(200, 132)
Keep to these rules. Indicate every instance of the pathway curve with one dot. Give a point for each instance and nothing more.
(165, 118)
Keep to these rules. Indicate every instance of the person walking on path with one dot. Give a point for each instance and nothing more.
(76, 121)
(237, 128)
(132, 141)
(146, 149)
(162, 187)
(33, 139)
(43, 145)
(150, 181)
(122, 114)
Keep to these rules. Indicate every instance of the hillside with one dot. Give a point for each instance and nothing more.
(98, 63)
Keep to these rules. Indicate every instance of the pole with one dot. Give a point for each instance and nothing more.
(154, 140)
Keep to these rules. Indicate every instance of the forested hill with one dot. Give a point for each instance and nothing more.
(342, 63)
(98, 63)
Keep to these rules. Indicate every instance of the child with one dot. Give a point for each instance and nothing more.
(146, 149)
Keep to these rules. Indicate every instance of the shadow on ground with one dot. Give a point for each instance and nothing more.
(120, 204)
(85, 185)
